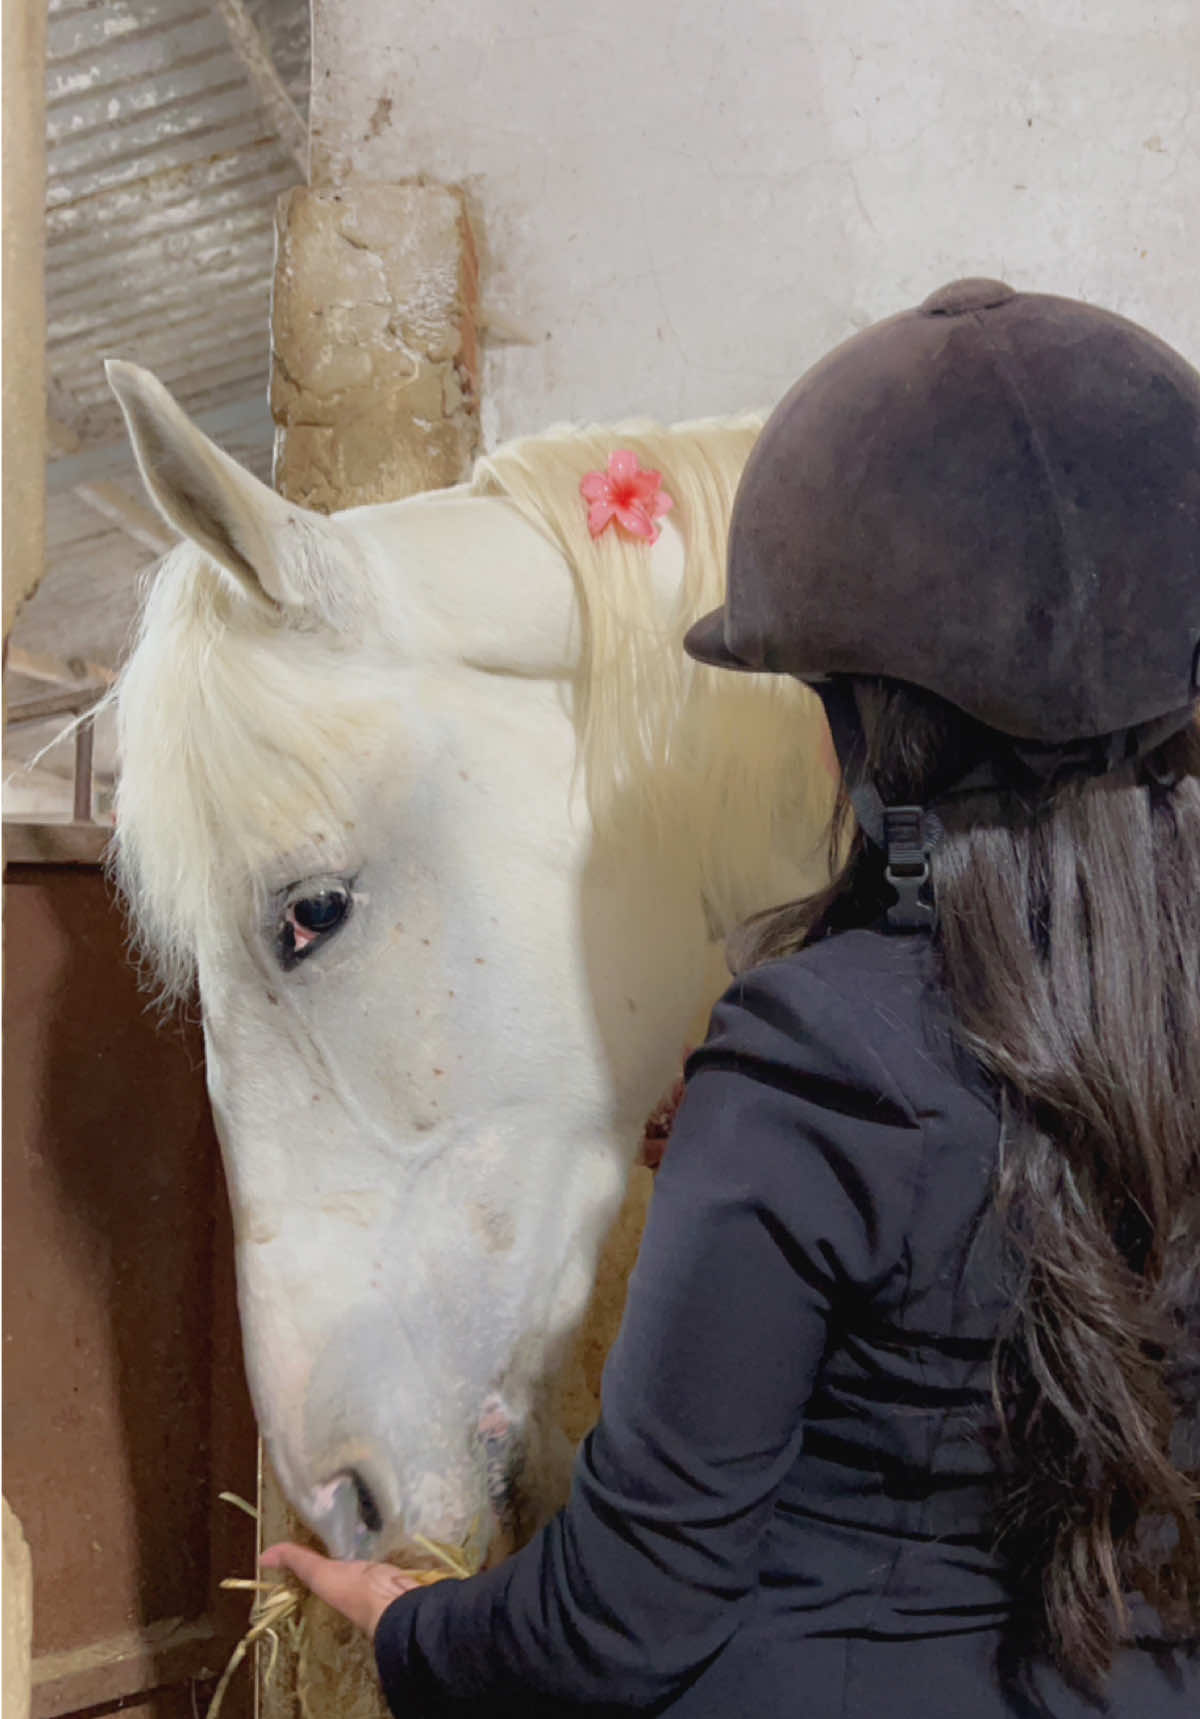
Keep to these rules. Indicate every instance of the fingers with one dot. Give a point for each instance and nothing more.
(362, 1592)
(339, 1585)
(300, 1560)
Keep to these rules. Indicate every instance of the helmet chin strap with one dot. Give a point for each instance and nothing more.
(907, 835)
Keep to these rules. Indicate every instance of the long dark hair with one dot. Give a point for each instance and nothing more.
(1068, 943)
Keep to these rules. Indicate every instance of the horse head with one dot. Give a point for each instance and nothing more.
(449, 889)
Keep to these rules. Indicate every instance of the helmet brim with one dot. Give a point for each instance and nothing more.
(705, 642)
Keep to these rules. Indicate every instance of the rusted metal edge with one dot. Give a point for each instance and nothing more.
(55, 844)
(71, 703)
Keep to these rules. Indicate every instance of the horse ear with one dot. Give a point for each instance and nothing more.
(213, 501)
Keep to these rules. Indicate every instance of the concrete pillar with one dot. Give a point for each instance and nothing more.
(374, 357)
(24, 389)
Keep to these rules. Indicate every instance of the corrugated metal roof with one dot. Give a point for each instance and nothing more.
(163, 169)
(162, 175)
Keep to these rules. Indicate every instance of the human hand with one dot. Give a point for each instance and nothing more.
(362, 1592)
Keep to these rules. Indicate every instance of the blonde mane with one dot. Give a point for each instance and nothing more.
(232, 723)
(723, 753)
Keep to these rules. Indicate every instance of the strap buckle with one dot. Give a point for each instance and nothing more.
(907, 845)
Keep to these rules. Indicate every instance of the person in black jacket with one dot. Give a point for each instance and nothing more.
(903, 1414)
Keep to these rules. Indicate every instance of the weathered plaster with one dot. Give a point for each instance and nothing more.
(374, 359)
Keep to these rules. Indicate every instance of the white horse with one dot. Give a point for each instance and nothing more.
(429, 802)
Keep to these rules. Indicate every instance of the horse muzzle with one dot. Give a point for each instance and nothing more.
(473, 1507)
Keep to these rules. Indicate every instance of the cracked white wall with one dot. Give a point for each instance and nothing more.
(680, 206)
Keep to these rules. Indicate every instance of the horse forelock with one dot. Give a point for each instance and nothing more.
(232, 726)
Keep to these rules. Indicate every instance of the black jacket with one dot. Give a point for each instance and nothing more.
(786, 1508)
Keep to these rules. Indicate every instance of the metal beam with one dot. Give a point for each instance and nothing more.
(29, 843)
(110, 499)
(88, 460)
(85, 743)
(136, 521)
(61, 704)
(255, 56)
(58, 671)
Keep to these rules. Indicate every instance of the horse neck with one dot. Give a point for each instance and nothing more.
(723, 766)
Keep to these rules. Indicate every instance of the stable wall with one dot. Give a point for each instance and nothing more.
(679, 207)
(125, 1405)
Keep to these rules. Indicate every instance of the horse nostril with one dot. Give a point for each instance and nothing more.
(347, 1513)
(368, 1510)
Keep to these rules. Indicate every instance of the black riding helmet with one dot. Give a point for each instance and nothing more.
(996, 498)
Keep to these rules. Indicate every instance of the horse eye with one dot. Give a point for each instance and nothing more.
(321, 912)
(310, 918)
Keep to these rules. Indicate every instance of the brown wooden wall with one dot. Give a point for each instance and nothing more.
(125, 1405)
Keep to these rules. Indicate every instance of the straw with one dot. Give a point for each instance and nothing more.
(279, 1602)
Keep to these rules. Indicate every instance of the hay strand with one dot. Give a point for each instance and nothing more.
(240, 1503)
(268, 1616)
(451, 1558)
(279, 1602)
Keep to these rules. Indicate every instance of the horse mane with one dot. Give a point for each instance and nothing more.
(246, 769)
(661, 737)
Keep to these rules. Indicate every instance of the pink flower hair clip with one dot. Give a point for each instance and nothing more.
(627, 494)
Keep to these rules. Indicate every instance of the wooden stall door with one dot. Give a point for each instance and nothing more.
(125, 1406)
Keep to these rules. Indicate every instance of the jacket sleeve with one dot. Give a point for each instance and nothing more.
(787, 1185)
